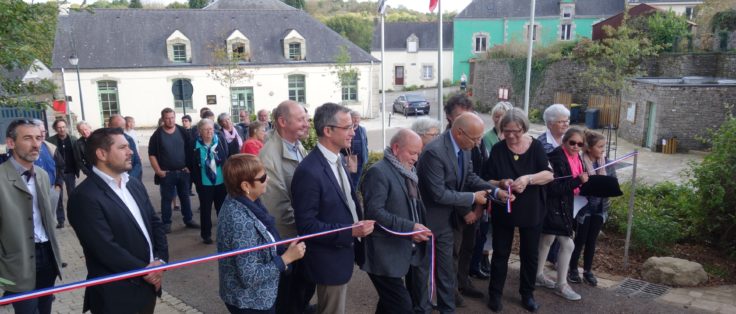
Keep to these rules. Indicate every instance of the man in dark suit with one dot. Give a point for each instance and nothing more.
(323, 200)
(65, 144)
(391, 199)
(117, 228)
(449, 187)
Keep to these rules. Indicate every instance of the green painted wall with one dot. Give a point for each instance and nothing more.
(548, 34)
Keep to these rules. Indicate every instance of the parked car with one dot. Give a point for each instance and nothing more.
(411, 104)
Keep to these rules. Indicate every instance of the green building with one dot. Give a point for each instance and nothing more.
(486, 23)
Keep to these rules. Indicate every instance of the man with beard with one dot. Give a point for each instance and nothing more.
(117, 228)
(117, 121)
(27, 224)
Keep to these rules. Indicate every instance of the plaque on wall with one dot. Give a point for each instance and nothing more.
(212, 99)
(631, 112)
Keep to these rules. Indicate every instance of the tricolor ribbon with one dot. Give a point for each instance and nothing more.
(432, 255)
(508, 199)
(144, 271)
(615, 161)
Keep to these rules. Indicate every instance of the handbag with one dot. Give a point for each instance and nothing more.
(352, 162)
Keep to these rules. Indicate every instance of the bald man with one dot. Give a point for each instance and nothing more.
(118, 121)
(449, 187)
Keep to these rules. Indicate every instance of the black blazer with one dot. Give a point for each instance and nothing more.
(194, 160)
(113, 243)
(560, 197)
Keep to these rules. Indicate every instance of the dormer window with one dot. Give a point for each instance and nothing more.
(238, 46)
(412, 43)
(295, 46)
(567, 10)
(179, 48)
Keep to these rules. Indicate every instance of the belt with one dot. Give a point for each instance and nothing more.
(40, 245)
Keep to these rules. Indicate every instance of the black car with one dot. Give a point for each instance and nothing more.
(411, 103)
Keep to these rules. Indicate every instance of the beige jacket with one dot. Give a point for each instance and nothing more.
(280, 166)
(17, 248)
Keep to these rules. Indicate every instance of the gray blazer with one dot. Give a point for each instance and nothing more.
(17, 261)
(446, 197)
(386, 200)
(280, 167)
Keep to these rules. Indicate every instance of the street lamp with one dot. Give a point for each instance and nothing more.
(75, 62)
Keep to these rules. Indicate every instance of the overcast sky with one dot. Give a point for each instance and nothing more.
(417, 5)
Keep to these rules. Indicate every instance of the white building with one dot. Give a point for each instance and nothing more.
(136, 62)
(411, 53)
(685, 8)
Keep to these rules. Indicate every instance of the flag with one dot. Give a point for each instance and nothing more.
(432, 5)
(381, 6)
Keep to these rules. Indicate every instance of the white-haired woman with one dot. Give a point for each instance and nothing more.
(427, 128)
(557, 120)
(494, 135)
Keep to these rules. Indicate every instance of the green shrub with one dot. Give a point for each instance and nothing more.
(663, 215)
(535, 115)
(410, 88)
(483, 107)
(448, 83)
(715, 179)
(311, 141)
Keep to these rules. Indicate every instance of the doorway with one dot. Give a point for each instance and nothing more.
(650, 138)
(399, 75)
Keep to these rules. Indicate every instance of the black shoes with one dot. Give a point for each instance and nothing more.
(480, 274)
(529, 304)
(589, 278)
(191, 225)
(494, 303)
(574, 276)
(207, 240)
(485, 265)
(60, 225)
(471, 292)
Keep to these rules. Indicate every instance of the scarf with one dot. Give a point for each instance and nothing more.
(412, 181)
(231, 135)
(211, 158)
(257, 208)
(576, 167)
(589, 166)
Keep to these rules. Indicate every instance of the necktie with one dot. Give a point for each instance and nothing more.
(460, 165)
(28, 174)
(345, 183)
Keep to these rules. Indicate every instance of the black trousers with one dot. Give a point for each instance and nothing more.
(70, 181)
(586, 236)
(464, 246)
(46, 273)
(503, 237)
(295, 290)
(403, 296)
(209, 194)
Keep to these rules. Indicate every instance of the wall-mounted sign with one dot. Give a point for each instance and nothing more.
(212, 99)
(631, 112)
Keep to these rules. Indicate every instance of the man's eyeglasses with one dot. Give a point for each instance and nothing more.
(574, 143)
(346, 128)
(475, 140)
(262, 179)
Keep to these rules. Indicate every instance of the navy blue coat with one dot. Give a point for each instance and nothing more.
(319, 205)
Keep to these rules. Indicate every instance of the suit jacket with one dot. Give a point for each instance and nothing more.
(73, 139)
(16, 226)
(280, 166)
(443, 193)
(320, 205)
(137, 170)
(113, 243)
(387, 202)
(80, 159)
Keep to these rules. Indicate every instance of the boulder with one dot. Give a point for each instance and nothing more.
(673, 272)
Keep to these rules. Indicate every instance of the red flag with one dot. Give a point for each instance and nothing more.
(432, 5)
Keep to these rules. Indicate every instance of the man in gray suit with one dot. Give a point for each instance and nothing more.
(33, 259)
(449, 187)
(391, 199)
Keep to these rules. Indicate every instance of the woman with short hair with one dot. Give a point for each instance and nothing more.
(557, 119)
(249, 282)
(255, 141)
(427, 128)
(233, 139)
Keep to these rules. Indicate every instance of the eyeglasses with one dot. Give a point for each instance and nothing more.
(346, 128)
(261, 179)
(574, 143)
(431, 134)
(507, 131)
(475, 140)
(563, 121)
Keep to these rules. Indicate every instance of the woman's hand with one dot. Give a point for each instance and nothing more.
(519, 185)
(294, 252)
(505, 183)
(584, 177)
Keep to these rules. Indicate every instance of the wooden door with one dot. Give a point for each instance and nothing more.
(399, 77)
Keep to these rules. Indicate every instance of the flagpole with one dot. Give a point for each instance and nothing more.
(439, 66)
(531, 34)
(383, 90)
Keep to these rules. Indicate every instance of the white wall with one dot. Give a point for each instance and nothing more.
(677, 7)
(143, 93)
(412, 63)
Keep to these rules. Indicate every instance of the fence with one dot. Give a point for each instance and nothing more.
(610, 109)
(8, 114)
(563, 98)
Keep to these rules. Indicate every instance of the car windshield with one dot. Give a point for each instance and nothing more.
(414, 98)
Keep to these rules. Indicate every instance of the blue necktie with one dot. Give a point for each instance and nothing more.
(460, 165)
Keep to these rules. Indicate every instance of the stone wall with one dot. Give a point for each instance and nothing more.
(685, 112)
(692, 64)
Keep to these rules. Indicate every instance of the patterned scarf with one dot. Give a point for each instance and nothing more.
(409, 174)
(211, 159)
(230, 136)
(588, 161)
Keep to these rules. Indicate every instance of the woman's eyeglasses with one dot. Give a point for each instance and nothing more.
(574, 143)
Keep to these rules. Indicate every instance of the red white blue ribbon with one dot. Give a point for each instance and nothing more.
(615, 161)
(144, 271)
(508, 199)
(432, 255)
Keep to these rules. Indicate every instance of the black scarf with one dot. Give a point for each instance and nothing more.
(262, 214)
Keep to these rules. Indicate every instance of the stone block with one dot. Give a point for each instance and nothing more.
(673, 271)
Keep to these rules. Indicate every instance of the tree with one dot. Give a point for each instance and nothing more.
(197, 4)
(135, 4)
(616, 58)
(664, 29)
(299, 4)
(358, 28)
(343, 68)
(228, 68)
(178, 5)
(704, 16)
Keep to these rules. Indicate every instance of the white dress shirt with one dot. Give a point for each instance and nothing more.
(122, 192)
(39, 233)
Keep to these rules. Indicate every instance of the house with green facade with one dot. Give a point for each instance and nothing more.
(486, 23)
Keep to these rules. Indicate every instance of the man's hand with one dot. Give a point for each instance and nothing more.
(505, 183)
(161, 174)
(480, 197)
(57, 188)
(365, 228)
(470, 218)
(154, 278)
(503, 195)
(421, 237)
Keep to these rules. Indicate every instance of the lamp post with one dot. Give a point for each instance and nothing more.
(75, 62)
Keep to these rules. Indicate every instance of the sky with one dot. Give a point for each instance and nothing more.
(417, 5)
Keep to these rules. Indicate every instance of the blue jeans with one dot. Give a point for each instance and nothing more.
(175, 183)
(45, 277)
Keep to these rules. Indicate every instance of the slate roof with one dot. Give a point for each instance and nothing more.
(397, 33)
(664, 1)
(247, 4)
(136, 38)
(498, 9)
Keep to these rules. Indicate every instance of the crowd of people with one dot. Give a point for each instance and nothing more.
(468, 189)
